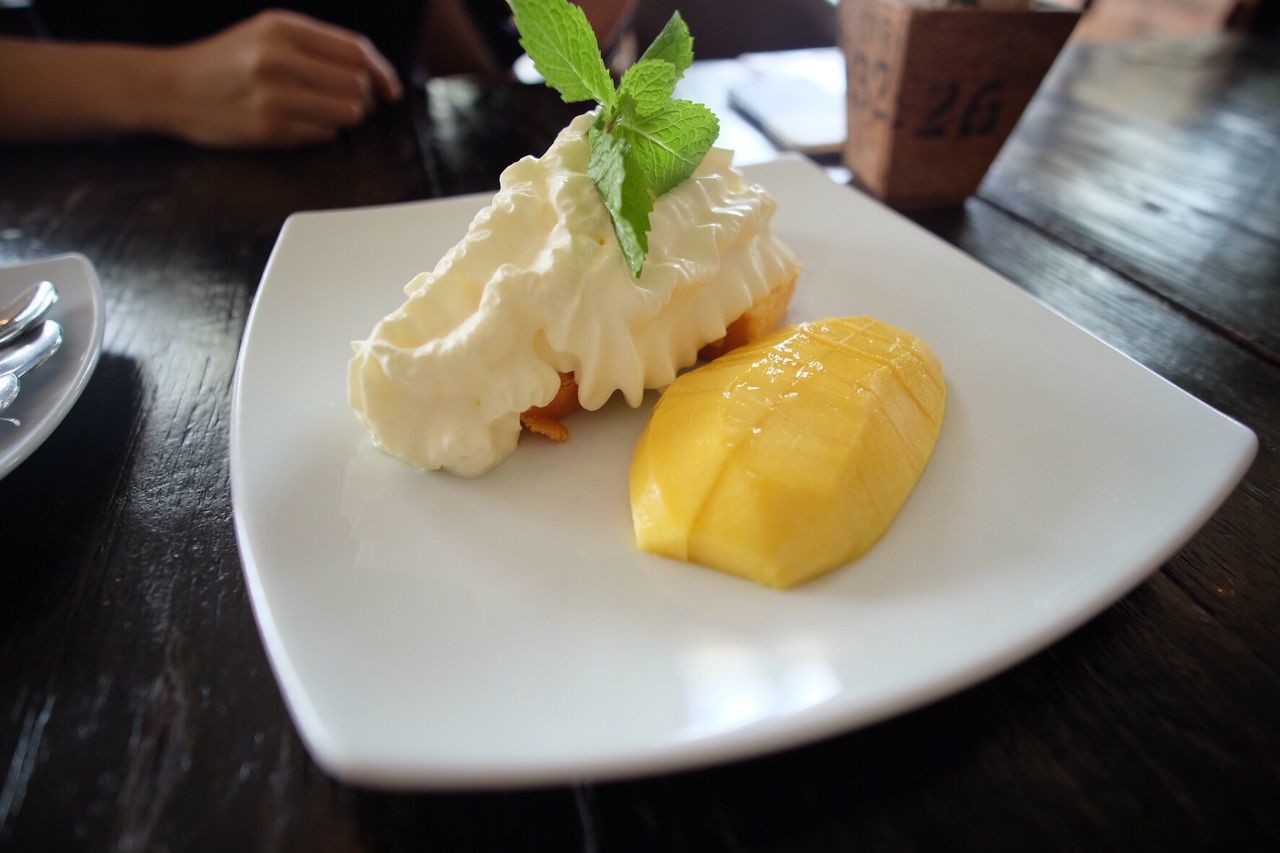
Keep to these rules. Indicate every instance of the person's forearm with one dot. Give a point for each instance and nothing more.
(64, 91)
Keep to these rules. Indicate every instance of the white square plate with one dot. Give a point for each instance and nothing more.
(429, 630)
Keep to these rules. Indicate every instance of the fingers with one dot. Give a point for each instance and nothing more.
(277, 79)
(286, 116)
(337, 46)
(318, 108)
(326, 78)
(294, 133)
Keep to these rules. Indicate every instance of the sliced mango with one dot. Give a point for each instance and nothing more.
(788, 457)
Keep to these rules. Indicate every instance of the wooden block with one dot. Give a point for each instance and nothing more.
(934, 93)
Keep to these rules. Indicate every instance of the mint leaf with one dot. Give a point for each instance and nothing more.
(563, 47)
(646, 87)
(673, 44)
(669, 143)
(623, 192)
(642, 142)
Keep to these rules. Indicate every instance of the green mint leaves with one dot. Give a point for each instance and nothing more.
(647, 86)
(673, 44)
(563, 47)
(624, 193)
(643, 141)
(668, 143)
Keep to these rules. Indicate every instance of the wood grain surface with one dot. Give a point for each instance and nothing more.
(1162, 164)
(137, 709)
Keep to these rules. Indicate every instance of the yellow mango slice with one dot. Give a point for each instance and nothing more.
(788, 457)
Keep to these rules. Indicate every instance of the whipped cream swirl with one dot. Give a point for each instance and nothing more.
(539, 286)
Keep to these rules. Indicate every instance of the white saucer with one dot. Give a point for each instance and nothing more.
(49, 392)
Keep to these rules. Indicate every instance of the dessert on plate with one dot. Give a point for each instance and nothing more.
(627, 251)
(603, 266)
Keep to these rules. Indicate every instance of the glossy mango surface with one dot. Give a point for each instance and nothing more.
(789, 457)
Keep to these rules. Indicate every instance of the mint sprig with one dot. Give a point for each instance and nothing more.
(673, 44)
(563, 47)
(623, 192)
(647, 86)
(668, 143)
(644, 142)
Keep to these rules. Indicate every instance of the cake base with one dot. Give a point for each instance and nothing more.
(755, 323)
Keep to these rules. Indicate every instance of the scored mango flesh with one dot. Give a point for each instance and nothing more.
(788, 457)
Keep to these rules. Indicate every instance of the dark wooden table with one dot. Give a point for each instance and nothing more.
(1140, 197)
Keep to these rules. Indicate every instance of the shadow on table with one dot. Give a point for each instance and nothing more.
(73, 475)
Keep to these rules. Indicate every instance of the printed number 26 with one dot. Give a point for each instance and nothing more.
(980, 115)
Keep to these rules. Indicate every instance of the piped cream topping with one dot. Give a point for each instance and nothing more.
(539, 286)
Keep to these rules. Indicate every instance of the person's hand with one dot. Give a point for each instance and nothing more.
(278, 79)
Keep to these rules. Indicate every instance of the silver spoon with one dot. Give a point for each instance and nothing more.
(24, 356)
(27, 310)
(8, 390)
